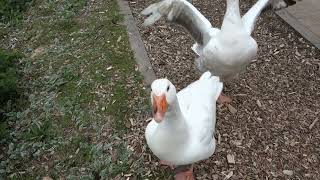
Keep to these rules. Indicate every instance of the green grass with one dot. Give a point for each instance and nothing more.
(72, 98)
(8, 87)
(11, 10)
(8, 76)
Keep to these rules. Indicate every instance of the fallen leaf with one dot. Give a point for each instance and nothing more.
(131, 121)
(232, 109)
(229, 175)
(119, 39)
(230, 159)
(128, 124)
(104, 134)
(313, 123)
(118, 177)
(114, 155)
(259, 119)
(37, 52)
(288, 172)
(236, 142)
(259, 104)
(109, 68)
(215, 177)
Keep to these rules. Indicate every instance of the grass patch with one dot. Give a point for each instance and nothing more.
(11, 10)
(82, 89)
(8, 87)
(8, 76)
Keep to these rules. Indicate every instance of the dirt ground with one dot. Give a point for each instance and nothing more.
(274, 133)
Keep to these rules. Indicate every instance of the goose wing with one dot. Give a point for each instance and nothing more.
(183, 13)
(250, 18)
(198, 102)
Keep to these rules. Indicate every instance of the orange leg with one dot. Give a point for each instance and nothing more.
(223, 99)
(185, 175)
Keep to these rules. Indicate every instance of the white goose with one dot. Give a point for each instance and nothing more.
(224, 52)
(181, 131)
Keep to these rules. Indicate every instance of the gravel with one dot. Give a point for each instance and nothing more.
(273, 130)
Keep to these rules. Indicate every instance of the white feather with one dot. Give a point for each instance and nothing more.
(186, 134)
(224, 52)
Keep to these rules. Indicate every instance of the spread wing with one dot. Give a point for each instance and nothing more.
(183, 13)
(250, 18)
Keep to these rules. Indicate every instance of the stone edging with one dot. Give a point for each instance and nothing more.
(137, 44)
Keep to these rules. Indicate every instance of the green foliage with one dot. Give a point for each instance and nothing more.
(3, 130)
(82, 89)
(11, 9)
(8, 76)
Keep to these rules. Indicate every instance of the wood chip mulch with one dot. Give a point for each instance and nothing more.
(273, 130)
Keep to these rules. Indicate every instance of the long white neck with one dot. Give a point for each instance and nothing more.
(232, 17)
(170, 138)
(174, 121)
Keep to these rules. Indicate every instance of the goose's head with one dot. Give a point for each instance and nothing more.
(163, 95)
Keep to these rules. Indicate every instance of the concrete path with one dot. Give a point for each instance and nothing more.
(305, 18)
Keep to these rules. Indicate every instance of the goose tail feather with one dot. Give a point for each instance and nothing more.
(215, 85)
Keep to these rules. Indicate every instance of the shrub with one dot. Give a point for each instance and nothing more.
(8, 85)
(8, 76)
(11, 9)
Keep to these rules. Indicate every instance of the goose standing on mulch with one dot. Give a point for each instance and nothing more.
(182, 128)
(224, 52)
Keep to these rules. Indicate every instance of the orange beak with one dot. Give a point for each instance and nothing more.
(159, 106)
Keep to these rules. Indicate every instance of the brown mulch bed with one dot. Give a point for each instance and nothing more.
(274, 132)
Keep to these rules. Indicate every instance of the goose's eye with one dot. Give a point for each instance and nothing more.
(168, 88)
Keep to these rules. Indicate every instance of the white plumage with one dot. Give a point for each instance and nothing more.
(225, 52)
(185, 133)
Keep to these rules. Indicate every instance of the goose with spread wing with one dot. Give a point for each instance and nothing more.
(183, 124)
(225, 52)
